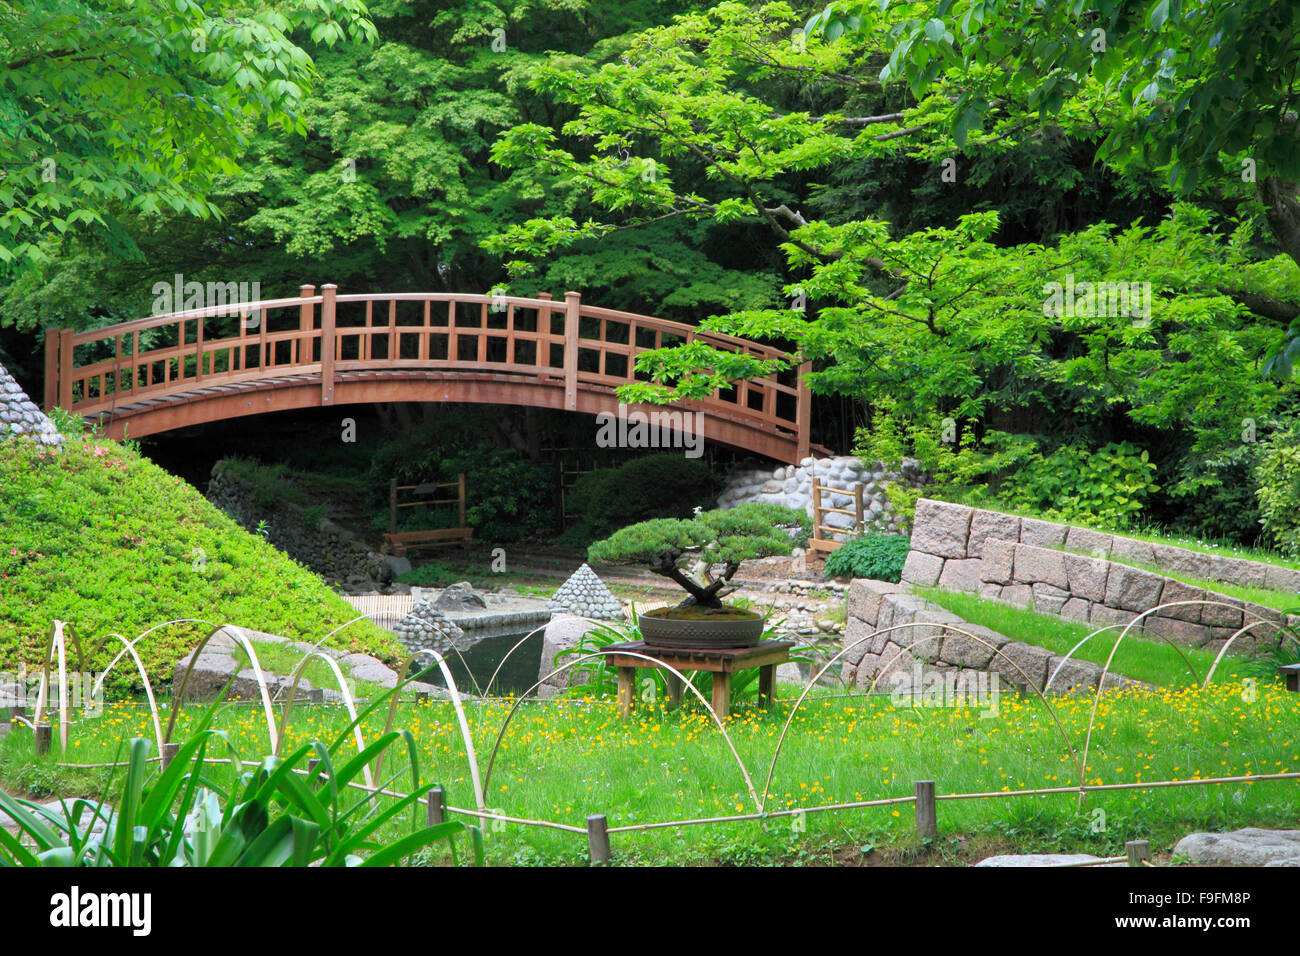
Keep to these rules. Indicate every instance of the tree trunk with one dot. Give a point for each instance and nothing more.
(1281, 200)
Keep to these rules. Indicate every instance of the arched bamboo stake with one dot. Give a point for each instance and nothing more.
(1096, 701)
(744, 772)
(518, 644)
(178, 694)
(1110, 627)
(464, 726)
(148, 686)
(997, 651)
(1228, 643)
(348, 702)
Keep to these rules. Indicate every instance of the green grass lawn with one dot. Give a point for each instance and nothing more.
(105, 540)
(561, 762)
(1142, 658)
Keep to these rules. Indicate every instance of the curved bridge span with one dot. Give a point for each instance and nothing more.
(324, 349)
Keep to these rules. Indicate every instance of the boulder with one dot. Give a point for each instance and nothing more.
(1250, 846)
(460, 596)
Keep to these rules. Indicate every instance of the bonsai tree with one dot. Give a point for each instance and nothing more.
(688, 550)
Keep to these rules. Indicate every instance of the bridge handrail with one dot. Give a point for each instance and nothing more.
(73, 386)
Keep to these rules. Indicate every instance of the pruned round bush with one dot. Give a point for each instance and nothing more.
(716, 537)
(876, 556)
(667, 485)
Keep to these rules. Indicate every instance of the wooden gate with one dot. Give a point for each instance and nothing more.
(818, 543)
(400, 542)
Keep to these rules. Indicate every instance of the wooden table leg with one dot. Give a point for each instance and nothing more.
(674, 690)
(766, 684)
(721, 694)
(626, 687)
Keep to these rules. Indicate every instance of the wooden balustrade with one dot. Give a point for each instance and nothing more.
(95, 373)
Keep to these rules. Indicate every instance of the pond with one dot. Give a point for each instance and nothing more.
(473, 665)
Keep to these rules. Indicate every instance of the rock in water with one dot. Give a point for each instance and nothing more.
(585, 595)
(460, 596)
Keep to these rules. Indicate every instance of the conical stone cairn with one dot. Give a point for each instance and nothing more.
(427, 628)
(585, 594)
(20, 416)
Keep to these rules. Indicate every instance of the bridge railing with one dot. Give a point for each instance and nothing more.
(326, 335)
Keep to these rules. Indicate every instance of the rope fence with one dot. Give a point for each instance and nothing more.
(924, 798)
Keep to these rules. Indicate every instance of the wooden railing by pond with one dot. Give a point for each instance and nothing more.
(321, 349)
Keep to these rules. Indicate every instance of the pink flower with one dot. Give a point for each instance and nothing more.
(100, 451)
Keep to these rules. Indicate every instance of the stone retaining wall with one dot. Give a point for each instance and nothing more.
(875, 605)
(946, 531)
(1065, 570)
(323, 546)
(791, 485)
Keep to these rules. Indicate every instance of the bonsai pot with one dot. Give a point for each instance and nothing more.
(699, 630)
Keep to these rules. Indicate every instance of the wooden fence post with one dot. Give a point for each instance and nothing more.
(435, 807)
(817, 509)
(598, 839)
(51, 368)
(857, 506)
(327, 318)
(572, 303)
(927, 824)
(44, 737)
(169, 754)
(460, 491)
(1139, 851)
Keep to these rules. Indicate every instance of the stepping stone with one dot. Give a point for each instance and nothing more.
(1250, 846)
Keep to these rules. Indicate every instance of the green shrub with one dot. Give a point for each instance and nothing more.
(1277, 476)
(877, 556)
(507, 496)
(1108, 486)
(723, 537)
(665, 485)
(431, 575)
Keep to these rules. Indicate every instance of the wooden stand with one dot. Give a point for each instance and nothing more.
(722, 663)
(1292, 674)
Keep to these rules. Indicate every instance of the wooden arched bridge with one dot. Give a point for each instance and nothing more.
(323, 349)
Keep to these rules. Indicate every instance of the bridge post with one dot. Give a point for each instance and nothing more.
(65, 369)
(572, 303)
(328, 293)
(306, 325)
(51, 368)
(803, 413)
